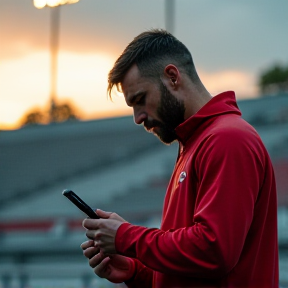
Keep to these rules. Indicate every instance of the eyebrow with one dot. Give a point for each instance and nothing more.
(133, 98)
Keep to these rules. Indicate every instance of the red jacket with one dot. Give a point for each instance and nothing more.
(219, 224)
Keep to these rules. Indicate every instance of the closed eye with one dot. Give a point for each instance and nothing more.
(141, 100)
(137, 99)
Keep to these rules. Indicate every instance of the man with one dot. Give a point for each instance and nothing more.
(219, 224)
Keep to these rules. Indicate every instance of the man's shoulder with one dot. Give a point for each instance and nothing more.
(231, 132)
(232, 125)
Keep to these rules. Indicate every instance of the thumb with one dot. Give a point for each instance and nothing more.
(103, 214)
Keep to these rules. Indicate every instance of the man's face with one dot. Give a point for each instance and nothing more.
(153, 105)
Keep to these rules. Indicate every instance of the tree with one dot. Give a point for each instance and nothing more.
(62, 112)
(34, 117)
(57, 113)
(274, 80)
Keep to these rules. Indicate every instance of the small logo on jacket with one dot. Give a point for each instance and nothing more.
(182, 176)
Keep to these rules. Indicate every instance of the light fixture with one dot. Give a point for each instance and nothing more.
(52, 3)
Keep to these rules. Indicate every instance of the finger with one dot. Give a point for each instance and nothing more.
(102, 269)
(96, 259)
(87, 244)
(103, 214)
(91, 224)
(110, 215)
(91, 252)
(91, 234)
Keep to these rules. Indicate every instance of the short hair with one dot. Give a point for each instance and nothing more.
(151, 51)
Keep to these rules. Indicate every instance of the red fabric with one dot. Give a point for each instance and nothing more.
(219, 225)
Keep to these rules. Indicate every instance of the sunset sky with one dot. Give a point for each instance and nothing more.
(231, 43)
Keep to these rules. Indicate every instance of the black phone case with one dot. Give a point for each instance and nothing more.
(80, 204)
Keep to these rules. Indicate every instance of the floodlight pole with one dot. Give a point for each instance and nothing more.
(54, 48)
(169, 15)
(54, 45)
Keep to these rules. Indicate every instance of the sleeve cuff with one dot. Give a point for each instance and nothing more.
(119, 239)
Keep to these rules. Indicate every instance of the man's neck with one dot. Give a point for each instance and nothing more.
(195, 100)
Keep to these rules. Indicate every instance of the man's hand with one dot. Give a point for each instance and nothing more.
(99, 249)
(115, 268)
(103, 231)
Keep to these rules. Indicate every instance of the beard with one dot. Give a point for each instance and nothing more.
(171, 113)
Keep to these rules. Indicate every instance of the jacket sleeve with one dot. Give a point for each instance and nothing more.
(229, 172)
(142, 277)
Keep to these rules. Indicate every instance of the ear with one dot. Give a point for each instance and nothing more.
(171, 76)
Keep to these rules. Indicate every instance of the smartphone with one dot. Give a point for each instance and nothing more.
(75, 199)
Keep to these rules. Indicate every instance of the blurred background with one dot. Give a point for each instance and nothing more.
(59, 130)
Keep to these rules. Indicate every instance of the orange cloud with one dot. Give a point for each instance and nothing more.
(82, 78)
(243, 83)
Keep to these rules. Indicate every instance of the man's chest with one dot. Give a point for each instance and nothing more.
(181, 193)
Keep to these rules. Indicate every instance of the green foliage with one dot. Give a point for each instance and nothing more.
(274, 79)
(61, 113)
(56, 114)
(33, 118)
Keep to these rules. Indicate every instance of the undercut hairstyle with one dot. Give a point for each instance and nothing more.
(152, 51)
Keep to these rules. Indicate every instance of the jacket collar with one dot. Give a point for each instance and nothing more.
(223, 103)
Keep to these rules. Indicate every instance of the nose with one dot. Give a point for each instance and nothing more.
(139, 116)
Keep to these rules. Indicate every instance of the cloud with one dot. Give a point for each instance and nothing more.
(82, 79)
(243, 83)
(88, 26)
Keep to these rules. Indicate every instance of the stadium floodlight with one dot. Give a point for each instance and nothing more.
(54, 42)
(52, 3)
